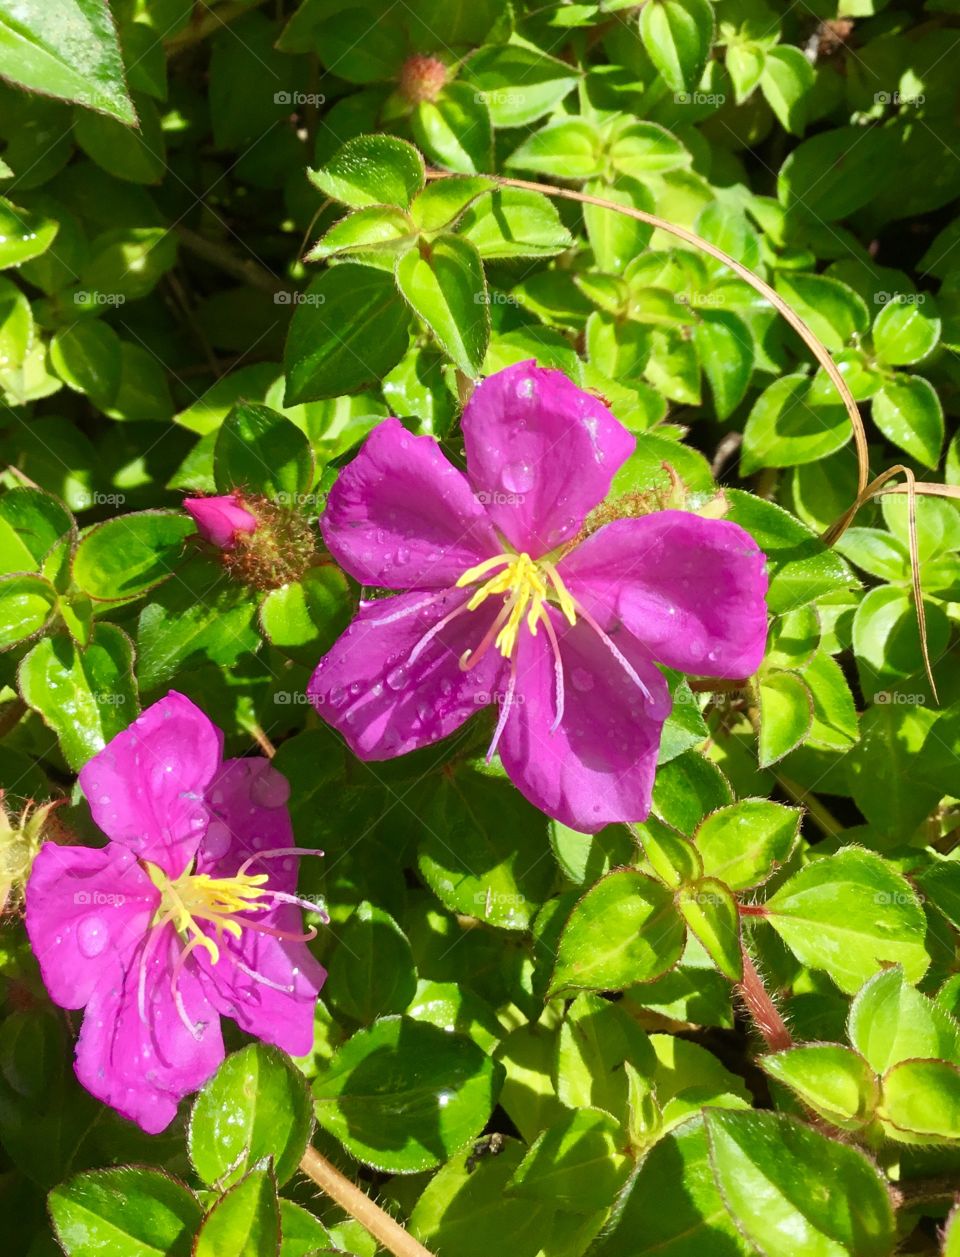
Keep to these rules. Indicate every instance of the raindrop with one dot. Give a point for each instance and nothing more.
(92, 936)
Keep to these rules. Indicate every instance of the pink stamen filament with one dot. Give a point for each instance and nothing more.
(195, 1030)
(621, 659)
(504, 709)
(470, 658)
(407, 611)
(557, 670)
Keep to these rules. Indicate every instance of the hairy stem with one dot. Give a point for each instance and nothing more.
(762, 1009)
(245, 269)
(371, 1217)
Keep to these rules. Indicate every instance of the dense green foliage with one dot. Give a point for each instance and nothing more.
(531, 1040)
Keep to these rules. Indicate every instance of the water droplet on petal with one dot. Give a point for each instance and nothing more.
(217, 841)
(517, 477)
(270, 788)
(92, 936)
(582, 680)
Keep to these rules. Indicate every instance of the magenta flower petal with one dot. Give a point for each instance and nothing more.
(220, 520)
(143, 1065)
(393, 681)
(401, 517)
(597, 765)
(146, 787)
(248, 801)
(690, 589)
(87, 911)
(541, 453)
(277, 1004)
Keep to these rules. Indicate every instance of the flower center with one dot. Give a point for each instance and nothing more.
(194, 897)
(527, 586)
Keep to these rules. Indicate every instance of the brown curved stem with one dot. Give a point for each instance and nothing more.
(349, 1197)
(819, 350)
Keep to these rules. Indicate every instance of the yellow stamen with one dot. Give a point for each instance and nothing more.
(528, 586)
(194, 897)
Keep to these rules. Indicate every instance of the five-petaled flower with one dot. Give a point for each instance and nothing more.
(189, 912)
(505, 597)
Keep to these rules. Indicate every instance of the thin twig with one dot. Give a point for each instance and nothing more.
(371, 1217)
(245, 269)
(819, 350)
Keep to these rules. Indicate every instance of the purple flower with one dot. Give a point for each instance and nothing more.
(220, 520)
(505, 604)
(176, 920)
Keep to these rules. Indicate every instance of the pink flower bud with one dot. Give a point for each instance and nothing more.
(220, 520)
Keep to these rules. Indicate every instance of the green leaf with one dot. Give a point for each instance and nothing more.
(922, 1099)
(831, 309)
(891, 741)
(86, 356)
(455, 129)
(302, 1235)
(38, 520)
(802, 569)
(124, 1212)
(196, 619)
(126, 556)
(65, 48)
(518, 83)
(831, 1079)
(133, 156)
(403, 1096)
(372, 971)
(890, 1021)
(903, 332)
(644, 148)
(577, 1163)
(443, 201)
(572, 149)
(835, 172)
(255, 1106)
(261, 451)
(306, 617)
(617, 239)
(673, 858)
(786, 715)
(86, 696)
(744, 843)
(466, 1208)
(834, 711)
(28, 603)
(677, 34)
(495, 870)
(375, 228)
(596, 1038)
(711, 912)
(372, 170)
(24, 234)
(886, 638)
(765, 1165)
(626, 929)
(785, 428)
(514, 223)
(725, 349)
(346, 334)
(787, 81)
(850, 915)
(245, 1222)
(445, 285)
(672, 1208)
(907, 411)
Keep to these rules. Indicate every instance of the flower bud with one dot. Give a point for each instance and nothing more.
(220, 520)
(422, 79)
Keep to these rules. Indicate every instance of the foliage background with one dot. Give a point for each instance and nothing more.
(516, 1042)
